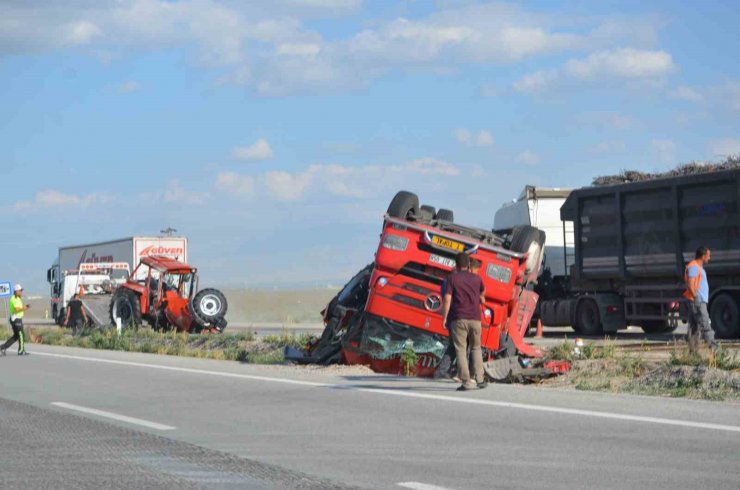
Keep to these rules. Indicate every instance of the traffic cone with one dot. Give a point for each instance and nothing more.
(538, 333)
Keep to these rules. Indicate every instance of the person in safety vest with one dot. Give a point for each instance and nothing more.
(17, 310)
(697, 292)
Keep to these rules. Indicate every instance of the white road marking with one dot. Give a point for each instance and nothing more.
(409, 394)
(415, 485)
(114, 416)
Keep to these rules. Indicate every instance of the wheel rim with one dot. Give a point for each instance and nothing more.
(210, 304)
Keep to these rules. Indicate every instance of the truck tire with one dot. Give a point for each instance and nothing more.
(427, 212)
(588, 319)
(405, 205)
(725, 315)
(125, 304)
(445, 215)
(209, 305)
(530, 240)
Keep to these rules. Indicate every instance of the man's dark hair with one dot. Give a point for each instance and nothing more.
(462, 260)
(76, 295)
(701, 252)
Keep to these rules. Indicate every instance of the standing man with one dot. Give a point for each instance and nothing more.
(449, 361)
(17, 310)
(697, 291)
(76, 316)
(465, 293)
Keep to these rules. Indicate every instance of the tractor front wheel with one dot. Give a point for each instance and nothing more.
(209, 305)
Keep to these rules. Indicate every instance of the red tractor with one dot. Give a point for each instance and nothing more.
(162, 291)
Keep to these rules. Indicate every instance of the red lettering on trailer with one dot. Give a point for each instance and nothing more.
(160, 250)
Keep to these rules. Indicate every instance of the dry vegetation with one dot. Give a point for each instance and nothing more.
(673, 373)
(243, 347)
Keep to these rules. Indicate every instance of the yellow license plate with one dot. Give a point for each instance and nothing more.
(451, 244)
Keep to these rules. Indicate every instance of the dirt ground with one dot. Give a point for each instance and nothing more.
(273, 306)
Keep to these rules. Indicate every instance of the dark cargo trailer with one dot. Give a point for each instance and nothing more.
(632, 243)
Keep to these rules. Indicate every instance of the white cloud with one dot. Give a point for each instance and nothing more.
(298, 49)
(176, 193)
(235, 184)
(468, 138)
(536, 82)
(259, 150)
(730, 95)
(335, 180)
(603, 66)
(129, 87)
(81, 32)
(50, 198)
(725, 147)
(666, 149)
(606, 147)
(489, 90)
(605, 119)
(244, 38)
(623, 63)
(686, 93)
(284, 186)
(528, 157)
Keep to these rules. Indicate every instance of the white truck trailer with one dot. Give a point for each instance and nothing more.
(540, 207)
(97, 266)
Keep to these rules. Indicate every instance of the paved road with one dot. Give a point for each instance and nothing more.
(372, 431)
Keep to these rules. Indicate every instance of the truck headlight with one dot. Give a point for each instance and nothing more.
(395, 242)
(382, 282)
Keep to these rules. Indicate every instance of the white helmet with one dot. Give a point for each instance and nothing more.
(17, 288)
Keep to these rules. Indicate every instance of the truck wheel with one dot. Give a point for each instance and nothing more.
(125, 305)
(725, 315)
(427, 212)
(210, 304)
(445, 215)
(588, 319)
(530, 240)
(404, 205)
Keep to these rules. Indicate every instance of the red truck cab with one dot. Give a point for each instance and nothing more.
(416, 253)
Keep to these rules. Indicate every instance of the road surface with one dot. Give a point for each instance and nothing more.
(192, 423)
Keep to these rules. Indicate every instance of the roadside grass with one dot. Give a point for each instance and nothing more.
(242, 346)
(678, 373)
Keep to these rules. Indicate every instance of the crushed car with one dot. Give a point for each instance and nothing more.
(394, 305)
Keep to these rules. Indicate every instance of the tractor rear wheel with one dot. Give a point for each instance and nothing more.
(445, 215)
(427, 212)
(404, 205)
(125, 305)
(209, 305)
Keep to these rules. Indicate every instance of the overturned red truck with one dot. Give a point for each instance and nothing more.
(394, 304)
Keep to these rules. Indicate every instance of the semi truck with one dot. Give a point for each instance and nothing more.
(97, 268)
(625, 248)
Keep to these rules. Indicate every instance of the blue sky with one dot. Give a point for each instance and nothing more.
(274, 134)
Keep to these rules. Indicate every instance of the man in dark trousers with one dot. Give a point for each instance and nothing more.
(17, 310)
(697, 292)
(76, 316)
(465, 293)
